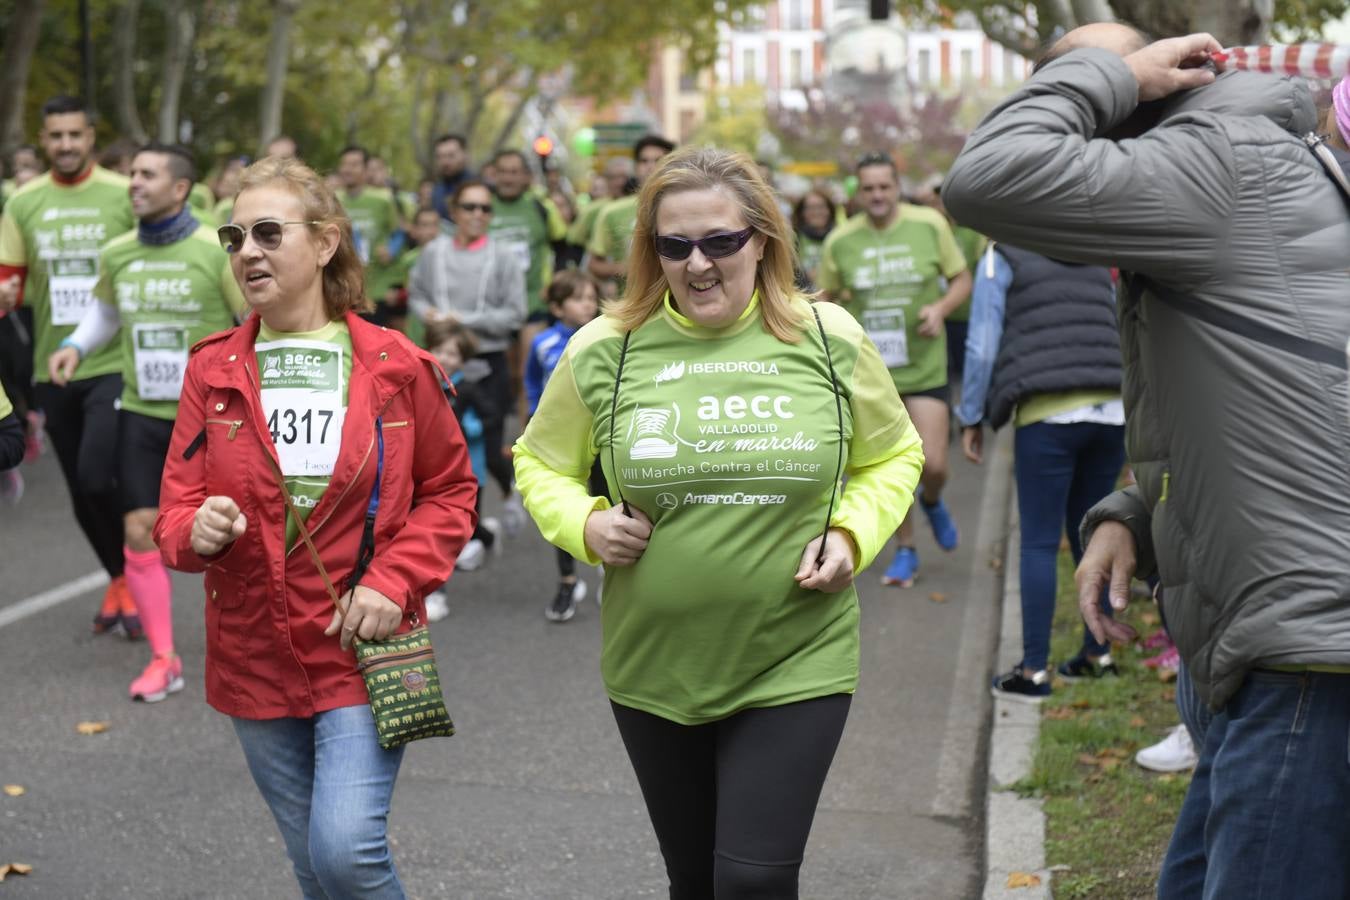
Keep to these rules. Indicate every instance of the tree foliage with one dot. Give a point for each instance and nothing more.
(387, 73)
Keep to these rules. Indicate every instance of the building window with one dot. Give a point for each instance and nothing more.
(925, 66)
(796, 67)
(749, 68)
(799, 15)
(967, 66)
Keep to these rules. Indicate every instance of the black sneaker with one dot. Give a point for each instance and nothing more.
(564, 605)
(1081, 667)
(1017, 686)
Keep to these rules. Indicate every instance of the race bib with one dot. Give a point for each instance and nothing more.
(70, 283)
(886, 328)
(160, 354)
(303, 401)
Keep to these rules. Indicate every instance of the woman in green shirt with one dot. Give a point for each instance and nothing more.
(724, 409)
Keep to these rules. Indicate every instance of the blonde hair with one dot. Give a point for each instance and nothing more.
(734, 174)
(1332, 129)
(344, 286)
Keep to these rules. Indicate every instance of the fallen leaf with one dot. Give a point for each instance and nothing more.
(1137, 722)
(1166, 676)
(1061, 713)
(1081, 703)
(1087, 759)
(14, 869)
(1109, 764)
(937, 597)
(91, 727)
(1169, 695)
(1023, 879)
(1116, 752)
(15, 790)
(1149, 799)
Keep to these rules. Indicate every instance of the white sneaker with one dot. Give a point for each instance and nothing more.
(1174, 753)
(513, 514)
(471, 557)
(493, 526)
(437, 607)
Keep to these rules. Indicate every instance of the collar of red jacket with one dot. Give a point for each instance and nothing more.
(386, 357)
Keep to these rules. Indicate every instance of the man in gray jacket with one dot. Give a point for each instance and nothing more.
(1236, 306)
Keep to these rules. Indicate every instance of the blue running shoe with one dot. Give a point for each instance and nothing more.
(944, 529)
(903, 568)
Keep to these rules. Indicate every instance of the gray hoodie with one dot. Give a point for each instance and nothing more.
(483, 287)
(1241, 450)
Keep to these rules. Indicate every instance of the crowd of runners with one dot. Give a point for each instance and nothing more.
(665, 417)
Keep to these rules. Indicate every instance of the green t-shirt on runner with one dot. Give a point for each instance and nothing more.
(304, 379)
(972, 245)
(884, 277)
(584, 227)
(729, 440)
(169, 297)
(613, 233)
(525, 228)
(374, 216)
(56, 230)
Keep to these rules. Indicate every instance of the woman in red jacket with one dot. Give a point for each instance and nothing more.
(306, 390)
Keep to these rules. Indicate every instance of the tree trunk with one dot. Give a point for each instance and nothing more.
(1234, 23)
(20, 40)
(278, 59)
(181, 26)
(514, 118)
(124, 76)
(421, 143)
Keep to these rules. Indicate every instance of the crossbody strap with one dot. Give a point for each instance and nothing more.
(368, 535)
(1317, 143)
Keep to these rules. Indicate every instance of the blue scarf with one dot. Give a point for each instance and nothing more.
(170, 230)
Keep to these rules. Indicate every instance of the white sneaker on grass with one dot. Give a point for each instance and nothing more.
(1174, 753)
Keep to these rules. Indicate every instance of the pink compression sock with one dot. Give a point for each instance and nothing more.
(148, 581)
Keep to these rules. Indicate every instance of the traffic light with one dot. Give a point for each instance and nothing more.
(543, 148)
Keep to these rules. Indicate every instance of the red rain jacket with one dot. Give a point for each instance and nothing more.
(266, 609)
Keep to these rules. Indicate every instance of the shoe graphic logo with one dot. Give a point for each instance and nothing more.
(272, 366)
(652, 432)
(671, 372)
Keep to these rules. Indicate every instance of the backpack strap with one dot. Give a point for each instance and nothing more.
(1236, 323)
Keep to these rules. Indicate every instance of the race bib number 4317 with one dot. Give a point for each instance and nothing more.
(304, 400)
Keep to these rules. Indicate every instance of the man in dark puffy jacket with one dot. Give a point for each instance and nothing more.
(1233, 327)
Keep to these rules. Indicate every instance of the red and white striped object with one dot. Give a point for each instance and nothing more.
(1311, 60)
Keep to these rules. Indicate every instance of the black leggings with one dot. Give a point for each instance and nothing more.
(82, 425)
(732, 801)
(493, 403)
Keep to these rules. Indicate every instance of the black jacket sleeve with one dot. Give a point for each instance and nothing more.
(11, 442)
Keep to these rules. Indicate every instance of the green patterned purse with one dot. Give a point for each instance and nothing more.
(400, 673)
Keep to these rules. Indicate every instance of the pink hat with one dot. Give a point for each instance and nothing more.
(1340, 100)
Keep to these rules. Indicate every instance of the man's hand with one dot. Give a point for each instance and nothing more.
(62, 364)
(930, 320)
(972, 443)
(618, 539)
(1108, 560)
(364, 613)
(1175, 64)
(218, 522)
(9, 293)
(835, 571)
(440, 315)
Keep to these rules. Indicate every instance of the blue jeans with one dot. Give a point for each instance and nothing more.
(1061, 472)
(328, 784)
(1265, 815)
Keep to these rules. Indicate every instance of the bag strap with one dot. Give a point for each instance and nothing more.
(367, 535)
(1236, 323)
(1317, 143)
(613, 414)
(839, 411)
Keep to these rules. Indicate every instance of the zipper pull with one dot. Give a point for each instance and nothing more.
(234, 428)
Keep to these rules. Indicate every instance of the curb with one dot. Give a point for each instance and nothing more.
(1014, 836)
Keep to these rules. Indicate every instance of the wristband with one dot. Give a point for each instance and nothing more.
(67, 342)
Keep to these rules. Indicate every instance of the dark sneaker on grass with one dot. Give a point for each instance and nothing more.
(1021, 688)
(1081, 667)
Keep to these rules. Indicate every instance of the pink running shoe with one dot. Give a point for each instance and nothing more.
(1169, 659)
(34, 443)
(1157, 640)
(164, 676)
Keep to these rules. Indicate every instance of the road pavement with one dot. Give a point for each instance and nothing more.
(534, 798)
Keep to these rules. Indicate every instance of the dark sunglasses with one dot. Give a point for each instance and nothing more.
(484, 208)
(713, 246)
(266, 234)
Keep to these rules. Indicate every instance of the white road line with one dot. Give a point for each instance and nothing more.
(56, 596)
(968, 708)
